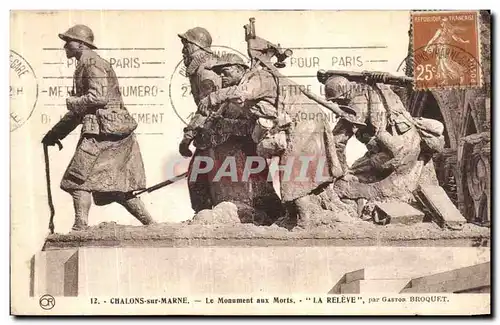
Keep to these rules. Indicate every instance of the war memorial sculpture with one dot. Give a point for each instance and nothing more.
(261, 163)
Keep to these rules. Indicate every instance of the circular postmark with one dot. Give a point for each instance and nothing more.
(47, 302)
(442, 66)
(23, 90)
(179, 88)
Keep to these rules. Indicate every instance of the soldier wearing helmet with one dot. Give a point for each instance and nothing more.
(271, 102)
(353, 98)
(389, 134)
(390, 130)
(231, 68)
(197, 55)
(194, 40)
(107, 163)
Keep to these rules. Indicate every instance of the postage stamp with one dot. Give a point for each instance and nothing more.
(446, 49)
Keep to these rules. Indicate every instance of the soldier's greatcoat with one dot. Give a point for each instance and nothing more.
(204, 191)
(229, 137)
(107, 157)
(202, 82)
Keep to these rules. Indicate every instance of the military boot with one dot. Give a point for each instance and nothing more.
(304, 211)
(137, 208)
(81, 202)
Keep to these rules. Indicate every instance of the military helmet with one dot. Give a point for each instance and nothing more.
(79, 33)
(198, 36)
(338, 87)
(353, 115)
(228, 59)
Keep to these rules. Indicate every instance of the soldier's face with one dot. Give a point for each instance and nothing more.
(72, 48)
(231, 75)
(187, 51)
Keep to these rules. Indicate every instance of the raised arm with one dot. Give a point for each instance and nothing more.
(259, 85)
(459, 39)
(342, 132)
(209, 83)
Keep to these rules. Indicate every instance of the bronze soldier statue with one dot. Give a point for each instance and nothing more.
(399, 145)
(385, 123)
(229, 133)
(197, 55)
(107, 163)
(274, 104)
(367, 107)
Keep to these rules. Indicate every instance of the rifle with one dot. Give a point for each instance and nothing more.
(262, 51)
(366, 77)
(159, 185)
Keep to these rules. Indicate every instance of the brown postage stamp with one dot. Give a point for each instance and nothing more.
(446, 49)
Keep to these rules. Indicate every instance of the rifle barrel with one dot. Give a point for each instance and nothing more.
(160, 185)
(323, 76)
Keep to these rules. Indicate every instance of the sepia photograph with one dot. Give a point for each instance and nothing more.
(245, 162)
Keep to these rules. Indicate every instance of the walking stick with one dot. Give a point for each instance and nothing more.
(49, 191)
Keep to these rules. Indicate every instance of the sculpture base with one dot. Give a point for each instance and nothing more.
(131, 272)
(181, 259)
(356, 233)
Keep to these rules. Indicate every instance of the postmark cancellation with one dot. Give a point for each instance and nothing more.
(23, 90)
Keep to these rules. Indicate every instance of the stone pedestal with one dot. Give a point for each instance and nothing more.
(470, 279)
(369, 280)
(176, 259)
(373, 286)
(56, 273)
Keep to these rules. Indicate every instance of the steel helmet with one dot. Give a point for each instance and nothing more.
(198, 36)
(228, 59)
(353, 115)
(80, 33)
(338, 87)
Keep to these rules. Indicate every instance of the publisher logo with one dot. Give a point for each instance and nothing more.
(47, 302)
